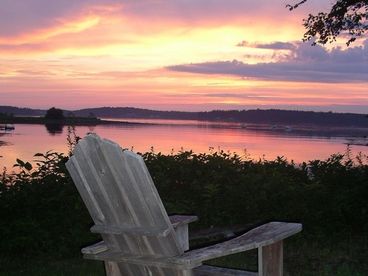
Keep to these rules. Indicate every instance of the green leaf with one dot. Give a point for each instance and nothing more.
(20, 162)
(28, 166)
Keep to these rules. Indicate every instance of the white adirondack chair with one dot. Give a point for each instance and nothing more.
(139, 238)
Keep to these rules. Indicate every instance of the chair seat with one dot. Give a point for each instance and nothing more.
(207, 270)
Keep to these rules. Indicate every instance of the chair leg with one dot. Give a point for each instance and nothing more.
(124, 269)
(270, 260)
(182, 236)
(112, 269)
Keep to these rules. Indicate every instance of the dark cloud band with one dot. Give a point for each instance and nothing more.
(305, 63)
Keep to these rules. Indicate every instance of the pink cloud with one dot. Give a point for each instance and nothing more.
(20, 17)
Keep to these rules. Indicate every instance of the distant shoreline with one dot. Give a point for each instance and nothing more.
(68, 121)
(274, 117)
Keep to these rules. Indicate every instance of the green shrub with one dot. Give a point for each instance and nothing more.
(40, 209)
(42, 213)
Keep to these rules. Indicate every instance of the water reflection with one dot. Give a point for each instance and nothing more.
(27, 140)
(54, 128)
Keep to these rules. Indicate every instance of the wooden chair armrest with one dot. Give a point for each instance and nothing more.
(95, 248)
(178, 220)
(261, 236)
(266, 234)
(138, 231)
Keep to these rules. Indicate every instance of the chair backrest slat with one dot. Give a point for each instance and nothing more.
(119, 194)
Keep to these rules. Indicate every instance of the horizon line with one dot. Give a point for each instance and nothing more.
(201, 111)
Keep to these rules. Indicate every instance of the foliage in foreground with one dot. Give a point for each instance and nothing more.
(42, 212)
(224, 189)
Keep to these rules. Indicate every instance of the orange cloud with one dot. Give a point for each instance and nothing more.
(72, 26)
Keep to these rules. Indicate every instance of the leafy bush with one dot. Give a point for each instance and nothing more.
(41, 210)
(223, 189)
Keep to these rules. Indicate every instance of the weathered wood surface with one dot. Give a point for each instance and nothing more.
(261, 236)
(204, 270)
(270, 259)
(180, 224)
(137, 231)
(95, 248)
(182, 235)
(109, 255)
(112, 269)
(177, 220)
(119, 269)
(120, 196)
(138, 236)
(207, 270)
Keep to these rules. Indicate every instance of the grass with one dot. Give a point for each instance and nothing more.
(304, 256)
(308, 256)
(46, 266)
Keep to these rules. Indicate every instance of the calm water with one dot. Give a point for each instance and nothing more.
(26, 140)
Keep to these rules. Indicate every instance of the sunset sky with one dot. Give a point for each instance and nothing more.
(174, 55)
